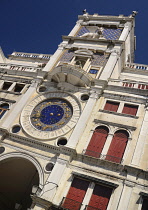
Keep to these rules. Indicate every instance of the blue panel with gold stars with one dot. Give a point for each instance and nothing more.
(51, 114)
(67, 56)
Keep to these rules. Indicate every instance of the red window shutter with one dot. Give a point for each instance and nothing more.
(97, 142)
(133, 110)
(111, 106)
(117, 146)
(130, 109)
(107, 106)
(125, 110)
(100, 198)
(76, 194)
(146, 86)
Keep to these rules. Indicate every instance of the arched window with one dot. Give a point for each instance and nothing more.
(3, 109)
(97, 141)
(117, 146)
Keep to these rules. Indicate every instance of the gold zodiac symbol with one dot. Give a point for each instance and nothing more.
(38, 124)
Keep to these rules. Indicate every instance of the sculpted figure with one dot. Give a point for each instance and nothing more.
(96, 35)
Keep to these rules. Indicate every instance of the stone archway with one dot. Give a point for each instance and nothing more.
(17, 176)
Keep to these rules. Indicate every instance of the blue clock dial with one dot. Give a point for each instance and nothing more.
(51, 114)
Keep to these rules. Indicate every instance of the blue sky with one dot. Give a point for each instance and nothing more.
(36, 26)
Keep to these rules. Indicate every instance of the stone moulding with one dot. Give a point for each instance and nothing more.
(132, 128)
(95, 179)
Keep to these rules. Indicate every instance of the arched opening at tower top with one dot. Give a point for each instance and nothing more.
(17, 177)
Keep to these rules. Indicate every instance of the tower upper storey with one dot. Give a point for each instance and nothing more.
(104, 33)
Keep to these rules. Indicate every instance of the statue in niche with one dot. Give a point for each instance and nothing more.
(97, 34)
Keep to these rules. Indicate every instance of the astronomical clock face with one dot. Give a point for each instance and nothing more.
(50, 115)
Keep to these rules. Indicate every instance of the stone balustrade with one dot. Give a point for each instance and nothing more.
(19, 67)
(31, 55)
(136, 66)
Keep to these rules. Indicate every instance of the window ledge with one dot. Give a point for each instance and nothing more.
(119, 114)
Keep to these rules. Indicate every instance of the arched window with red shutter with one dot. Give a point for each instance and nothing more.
(117, 146)
(97, 141)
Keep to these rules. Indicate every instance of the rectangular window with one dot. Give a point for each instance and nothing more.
(6, 85)
(111, 106)
(93, 71)
(18, 88)
(130, 109)
(100, 198)
(75, 196)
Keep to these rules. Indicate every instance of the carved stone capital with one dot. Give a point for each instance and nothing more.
(94, 94)
(129, 183)
(62, 46)
(115, 52)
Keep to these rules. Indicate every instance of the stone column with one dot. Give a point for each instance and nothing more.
(83, 120)
(110, 65)
(141, 141)
(126, 196)
(76, 28)
(51, 185)
(17, 108)
(88, 195)
(55, 57)
(107, 144)
(125, 32)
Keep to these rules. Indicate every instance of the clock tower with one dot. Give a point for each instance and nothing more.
(74, 124)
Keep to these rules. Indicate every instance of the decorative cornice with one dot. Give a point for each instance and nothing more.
(127, 98)
(69, 38)
(106, 18)
(119, 114)
(42, 202)
(132, 128)
(91, 178)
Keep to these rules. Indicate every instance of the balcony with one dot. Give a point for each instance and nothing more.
(69, 204)
(92, 153)
(102, 157)
(72, 74)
